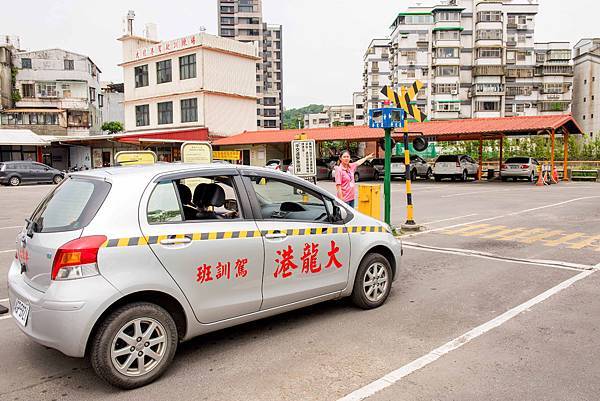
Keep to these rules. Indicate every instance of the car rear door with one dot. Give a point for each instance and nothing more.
(215, 256)
(306, 256)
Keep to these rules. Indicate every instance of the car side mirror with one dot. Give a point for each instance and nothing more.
(339, 213)
(231, 204)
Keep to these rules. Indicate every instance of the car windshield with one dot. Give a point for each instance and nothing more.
(447, 158)
(517, 160)
(273, 162)
(71, 206)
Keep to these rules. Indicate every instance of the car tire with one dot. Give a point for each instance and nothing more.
(504, 179)
(376, 176)
(356, 177)
(413, 175)
(464, 176)
(125, 321)
(532, 177)
(376, 268)
(437, 178)
(57, 179)
(14, 181)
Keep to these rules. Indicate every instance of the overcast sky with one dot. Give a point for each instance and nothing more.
(323, 41)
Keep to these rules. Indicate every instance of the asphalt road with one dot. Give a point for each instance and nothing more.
(468, 273)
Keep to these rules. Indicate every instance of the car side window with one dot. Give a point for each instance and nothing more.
(283, 200)
(209, 198)
(163, 205)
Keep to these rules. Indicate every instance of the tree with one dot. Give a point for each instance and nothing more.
(112, 126)
(292, 117)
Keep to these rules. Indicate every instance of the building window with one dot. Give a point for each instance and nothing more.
(26, 63)
(448, 35)
(28, 90)
(489, 52)
(447, 16)
(227, 9)
(226, 20)
(142, 115)
(47, 89)
(100, 100)
(489, 34)
(77, 118)
(245, 9)
(165, 113)
(227, 32)
(141, 76)
(92, 95)
(163, 71)
(447, 89)
(447, 106)
(584, 99)
(187, 66)
(447, 52)
(487, 106)
(446, 71)
(69, 64)
(270, 124)
(489, 16)
(189, 110)
(270, 112)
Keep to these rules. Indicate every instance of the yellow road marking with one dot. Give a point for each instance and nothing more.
(538, 237)
(481, 231)
(464, 228)
(589, 241)
(564, 239)
(504, 233)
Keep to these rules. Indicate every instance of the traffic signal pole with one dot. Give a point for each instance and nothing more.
(387, 182)
(410, 220)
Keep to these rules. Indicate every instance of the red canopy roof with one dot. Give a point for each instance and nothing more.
(196, 134)
(447, 130)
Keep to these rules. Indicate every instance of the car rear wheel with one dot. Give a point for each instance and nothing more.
(373, 282)
(57, 179)
(134, 345)
(14, 181)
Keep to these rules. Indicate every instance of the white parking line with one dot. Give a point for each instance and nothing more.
(486, 255)
(451, 218)
(5, 317)
(7, 250)
(501, 216)
(4, 300)
(475, 192)
(6, 228)
(398, 374)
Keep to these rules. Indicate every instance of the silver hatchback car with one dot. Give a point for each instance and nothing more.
(122, 264)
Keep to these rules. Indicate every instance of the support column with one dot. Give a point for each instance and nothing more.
(501, 158)
(480, 172)
(377, 149)
(553, 145)
(566, 155)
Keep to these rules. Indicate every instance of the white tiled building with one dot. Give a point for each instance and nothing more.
(479, 59)
(376, 73)
(197, 81)
(586, 89)
(359, 108)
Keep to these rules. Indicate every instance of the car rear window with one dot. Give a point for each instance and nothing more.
(71, 206)
(518, 160)
(447, 158)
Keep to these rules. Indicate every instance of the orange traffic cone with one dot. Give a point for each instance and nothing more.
(540, 181)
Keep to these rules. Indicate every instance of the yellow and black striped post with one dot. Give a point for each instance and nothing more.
(410, 220)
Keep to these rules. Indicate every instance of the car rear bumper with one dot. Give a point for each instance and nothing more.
(63, 316)
(515, 173)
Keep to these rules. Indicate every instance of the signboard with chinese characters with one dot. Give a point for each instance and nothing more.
(196, 152)
(304, 158)
(167, 47)
(227, 155)
(130, 158)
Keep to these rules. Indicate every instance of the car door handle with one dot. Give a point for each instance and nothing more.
(275, 235)
(175, 241)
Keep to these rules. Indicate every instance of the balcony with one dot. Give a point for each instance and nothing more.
(488, 70)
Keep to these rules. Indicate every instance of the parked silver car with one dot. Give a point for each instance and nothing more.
(122, 264)
(520, 167)
(455, 167)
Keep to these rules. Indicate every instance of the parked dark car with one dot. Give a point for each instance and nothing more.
(16, 172)
(418, 167)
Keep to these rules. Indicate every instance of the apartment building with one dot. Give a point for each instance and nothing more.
(8, 45)
(242, 20)
(317, 120)
(479, 59)
(191, 83)
(358, 105)
(57, 92)
(376, 73)
(586, 103)
(113, 98)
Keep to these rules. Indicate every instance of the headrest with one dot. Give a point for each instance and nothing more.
(185, 194)
(214, 195)
(199, 194)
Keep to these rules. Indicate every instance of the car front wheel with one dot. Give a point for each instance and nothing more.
(373, 282)
(134, 345)
(14, 181)
(57, 179)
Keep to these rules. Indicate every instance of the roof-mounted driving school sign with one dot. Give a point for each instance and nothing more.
(404, 101)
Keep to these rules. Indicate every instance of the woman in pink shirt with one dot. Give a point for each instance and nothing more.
(344, 176)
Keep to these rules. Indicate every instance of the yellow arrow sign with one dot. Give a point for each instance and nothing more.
(407, 96)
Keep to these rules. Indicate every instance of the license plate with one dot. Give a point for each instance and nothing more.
(21, 312)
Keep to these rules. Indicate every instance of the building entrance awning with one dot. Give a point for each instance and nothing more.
(22, 137)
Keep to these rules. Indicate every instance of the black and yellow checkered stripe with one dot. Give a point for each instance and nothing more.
(217, 235)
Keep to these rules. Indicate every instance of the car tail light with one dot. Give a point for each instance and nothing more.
(278, 167)
(457, 164)
(504, 167)
(77, 258)
(524, 165)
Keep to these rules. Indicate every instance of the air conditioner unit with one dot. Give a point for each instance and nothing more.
(454, 92)
(411, 63)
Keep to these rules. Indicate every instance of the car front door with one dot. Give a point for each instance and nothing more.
(306, 255)
(45, 172)
(207, 240)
